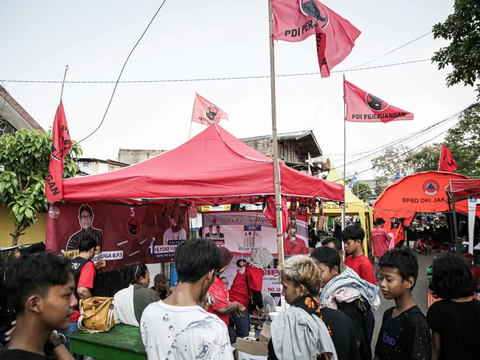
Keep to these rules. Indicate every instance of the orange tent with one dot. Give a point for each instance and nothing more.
(419, 192)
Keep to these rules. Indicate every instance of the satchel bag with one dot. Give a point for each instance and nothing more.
(96, 314)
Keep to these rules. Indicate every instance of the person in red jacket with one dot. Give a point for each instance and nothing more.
(380, 241)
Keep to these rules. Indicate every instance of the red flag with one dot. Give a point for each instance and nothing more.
(61, 145)
(206, 113)
(295, 20)
(366, 107)
(270, 211)
(446, 162)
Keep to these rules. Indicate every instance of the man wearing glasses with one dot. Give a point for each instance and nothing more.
(85, 218)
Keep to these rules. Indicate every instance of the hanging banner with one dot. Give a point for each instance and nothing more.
(124, 234)
(242, 231)
(472, 210)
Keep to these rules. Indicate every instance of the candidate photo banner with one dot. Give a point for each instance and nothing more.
(242, 231)
(124, 234)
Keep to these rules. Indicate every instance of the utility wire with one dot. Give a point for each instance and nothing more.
(205, 79)
(388, 53)
(121, 72)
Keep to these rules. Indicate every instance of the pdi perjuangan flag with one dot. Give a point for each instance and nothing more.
(206, 113)
(295, 20)
(446, 161)
(366, 107)
(61, 144)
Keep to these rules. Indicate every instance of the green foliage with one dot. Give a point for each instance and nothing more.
(25, 156)
(463, 141)
(426, 158)
(386, 166)
(362, 190)
(462, 29)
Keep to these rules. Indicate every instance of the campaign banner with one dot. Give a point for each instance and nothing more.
(125, 234)
(242, 231)
(271, 281)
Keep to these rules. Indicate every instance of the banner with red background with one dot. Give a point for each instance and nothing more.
(125, 234)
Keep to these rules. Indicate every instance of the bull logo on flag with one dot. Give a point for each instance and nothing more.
(375, 103)
(211, 111)
(315, 9)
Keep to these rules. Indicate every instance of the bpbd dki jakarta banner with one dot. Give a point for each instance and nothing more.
(124, 234)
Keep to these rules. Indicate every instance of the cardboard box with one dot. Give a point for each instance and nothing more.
(251, 350)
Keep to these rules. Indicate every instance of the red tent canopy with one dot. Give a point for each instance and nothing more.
(214, 167)
(419, 192)
(463, 188)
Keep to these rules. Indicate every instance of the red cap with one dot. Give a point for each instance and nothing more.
(468, 254)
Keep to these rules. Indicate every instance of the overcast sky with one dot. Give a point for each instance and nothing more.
(213, 39)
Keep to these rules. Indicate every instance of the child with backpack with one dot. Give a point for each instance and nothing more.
(404, 333)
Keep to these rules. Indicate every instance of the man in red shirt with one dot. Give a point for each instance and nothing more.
(84, 273)
(220, 305)
(474, 270)
(248, 283)
(353, 236)
(380, 241)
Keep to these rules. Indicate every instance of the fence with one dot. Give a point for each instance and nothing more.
(108, 283)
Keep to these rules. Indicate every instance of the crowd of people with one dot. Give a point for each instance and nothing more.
(332, 296)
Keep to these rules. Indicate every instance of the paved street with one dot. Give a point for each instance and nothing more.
(419, 293)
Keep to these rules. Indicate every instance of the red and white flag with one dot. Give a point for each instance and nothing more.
(206, 113)
(61, 144)
(366, 107)
(446, 162)
(295, 20)
(270, 211)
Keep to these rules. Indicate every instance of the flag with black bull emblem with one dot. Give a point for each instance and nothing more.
(366, 107)
(61, 144)
(296, 20)
(446, 161)
(206, 113)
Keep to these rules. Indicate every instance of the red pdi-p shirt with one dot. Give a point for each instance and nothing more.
(380, 240)
(219, 292)
(362, 266)
(239, 291)
(87, 277)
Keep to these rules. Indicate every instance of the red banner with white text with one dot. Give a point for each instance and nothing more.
(125, 234)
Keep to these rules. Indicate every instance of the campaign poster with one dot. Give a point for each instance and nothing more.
(125, 234)
(242, 231)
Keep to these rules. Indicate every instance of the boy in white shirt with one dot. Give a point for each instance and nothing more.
(178, 328)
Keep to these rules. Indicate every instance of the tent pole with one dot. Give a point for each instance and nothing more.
(455, 231)
(344, 153)
(276, 166)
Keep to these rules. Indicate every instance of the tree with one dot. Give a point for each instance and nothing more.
(25, 156)
(463, 141)
(462, 29)
(362, 190)
(386, 166)
(426, 158)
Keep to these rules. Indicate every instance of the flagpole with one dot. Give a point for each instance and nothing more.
(276, 166)
(190, 131)
(344, 152)
(63, 82)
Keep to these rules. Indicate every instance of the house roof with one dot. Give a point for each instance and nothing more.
(15, 114)
(108, 161)
(306, 141)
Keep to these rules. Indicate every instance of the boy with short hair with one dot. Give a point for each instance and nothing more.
(404, 333)
(353, 236)
(41, 291)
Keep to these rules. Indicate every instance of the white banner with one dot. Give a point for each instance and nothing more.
(472, 209)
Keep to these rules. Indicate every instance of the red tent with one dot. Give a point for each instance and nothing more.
(459, 189)
(214, 167)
